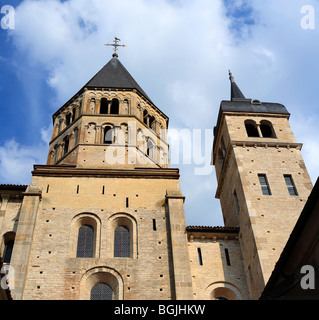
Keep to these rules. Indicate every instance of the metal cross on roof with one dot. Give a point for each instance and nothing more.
(116, 45)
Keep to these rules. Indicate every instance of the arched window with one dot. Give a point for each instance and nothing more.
(68, 119)
(7, 246)
(108, 135)
(251, 128)
(85, 246)
(122, 242)
(104, 106)
(115, 107)
(7, 253)
(73, 114)
(102, 291)
(267, 129)
(66, 145)
(223, 293)
(150, 148)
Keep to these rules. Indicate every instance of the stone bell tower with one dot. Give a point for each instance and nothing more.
(263, 183)
(104, 218)
(110, 123)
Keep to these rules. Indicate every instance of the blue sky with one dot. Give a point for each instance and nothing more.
(178, 51)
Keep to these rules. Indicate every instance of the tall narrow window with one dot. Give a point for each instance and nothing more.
(102, 291)
(154, 224)
(7, 253)
(149, 150)
(108, 135)
(66, 145)
(76, 137)
(264, 184)
(104, 106)
(250, 275)
(73, 114)
(122, 243)
(115, 107)
(68, 119)
(85, 242)
(290, 185)
(227, 257)
(236, 201)
(200, 258)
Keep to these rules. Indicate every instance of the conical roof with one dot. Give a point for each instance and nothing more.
(114, 75)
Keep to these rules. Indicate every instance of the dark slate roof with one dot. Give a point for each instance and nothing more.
(248, 106)
(114, 75)
(238, 102)
(235, 91)
(252, 106)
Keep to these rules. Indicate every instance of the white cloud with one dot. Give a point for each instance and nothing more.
(16, 161)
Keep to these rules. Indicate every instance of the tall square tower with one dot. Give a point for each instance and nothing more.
(263, 183)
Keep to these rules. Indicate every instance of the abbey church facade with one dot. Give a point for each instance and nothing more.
(104, 218)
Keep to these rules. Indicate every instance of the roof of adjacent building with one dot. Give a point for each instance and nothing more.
(13, 187)
(212, 229)
(114, 75)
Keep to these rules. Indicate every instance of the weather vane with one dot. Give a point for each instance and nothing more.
(115, 45)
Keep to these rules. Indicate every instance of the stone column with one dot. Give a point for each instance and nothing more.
(23, 240)
(179, 246)
(98, 134)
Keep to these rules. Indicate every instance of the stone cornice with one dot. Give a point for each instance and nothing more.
(73, 171)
